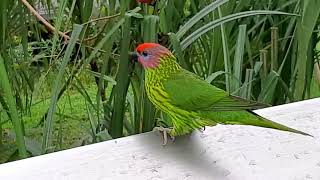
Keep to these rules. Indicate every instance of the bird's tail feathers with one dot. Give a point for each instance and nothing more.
(245, 118)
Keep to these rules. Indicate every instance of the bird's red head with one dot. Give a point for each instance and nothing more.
(145, 46)
(150, 54)
(146, 1)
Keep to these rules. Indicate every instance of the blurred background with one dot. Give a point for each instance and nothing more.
(66, 79)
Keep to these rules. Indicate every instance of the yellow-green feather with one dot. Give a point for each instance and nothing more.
(183, 121)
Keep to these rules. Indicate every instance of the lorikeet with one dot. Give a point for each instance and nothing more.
(191, 102)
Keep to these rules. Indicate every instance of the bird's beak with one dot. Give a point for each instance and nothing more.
(133, 57)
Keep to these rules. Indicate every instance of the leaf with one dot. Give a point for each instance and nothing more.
(306, 24)
(196, 18)
(238, 60)
(178, 52)
(121, 89)
(213, 24)
(226, 55)
(8, 95)
(257, 67)
(213, 76)
(268, 87)
(246, 88)
(105, 77)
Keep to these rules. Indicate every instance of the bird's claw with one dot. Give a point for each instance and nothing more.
(202, 129)
(165, 132)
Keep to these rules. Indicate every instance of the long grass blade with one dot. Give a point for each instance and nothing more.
(274, 48)
(120, 91)
(196, 18)
(226, 55)
(238, 60)
(204, 29)
(48, 125)
(8, 94)
(306, 24)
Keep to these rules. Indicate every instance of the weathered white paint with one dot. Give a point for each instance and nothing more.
(221, 152)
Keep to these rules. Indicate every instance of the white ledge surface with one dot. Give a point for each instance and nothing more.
(219, 153)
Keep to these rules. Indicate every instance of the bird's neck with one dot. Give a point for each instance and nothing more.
(167, 66)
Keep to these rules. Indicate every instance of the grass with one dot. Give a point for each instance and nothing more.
(315, 89)
(72, 118)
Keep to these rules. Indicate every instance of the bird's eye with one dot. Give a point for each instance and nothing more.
(144, 53)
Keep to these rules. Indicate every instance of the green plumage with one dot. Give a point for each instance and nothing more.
(193, 103)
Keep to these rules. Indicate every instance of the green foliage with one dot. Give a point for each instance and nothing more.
(48, 123)
(306, 45)
(249, 48)
(12, 111)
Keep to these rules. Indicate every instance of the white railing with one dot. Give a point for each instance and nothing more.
(221, 152)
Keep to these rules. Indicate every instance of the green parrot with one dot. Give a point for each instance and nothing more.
(191, 102)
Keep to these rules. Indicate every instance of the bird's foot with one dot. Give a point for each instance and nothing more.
(165, 132)
(202, 129)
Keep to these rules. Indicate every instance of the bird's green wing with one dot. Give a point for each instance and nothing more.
(189, 92)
